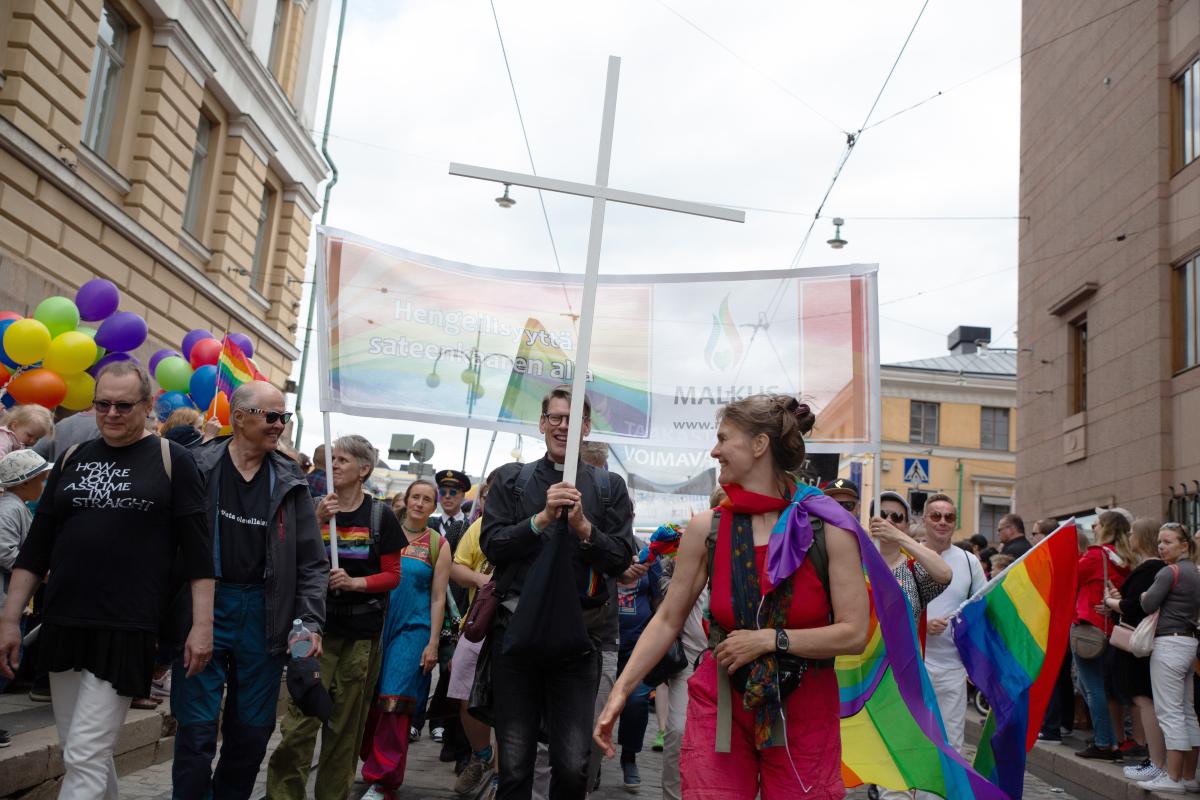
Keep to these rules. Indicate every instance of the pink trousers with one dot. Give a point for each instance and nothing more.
(812, 757)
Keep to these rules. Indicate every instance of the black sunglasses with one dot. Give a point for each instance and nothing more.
(271, 416)
(104, 406)
(895, 516)
(847, 504)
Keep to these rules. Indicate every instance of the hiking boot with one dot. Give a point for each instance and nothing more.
(1100, 753)
(658, 742)
(472, 777)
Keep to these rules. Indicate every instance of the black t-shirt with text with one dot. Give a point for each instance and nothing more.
(242, 509)
(359, 615)
(107, 530)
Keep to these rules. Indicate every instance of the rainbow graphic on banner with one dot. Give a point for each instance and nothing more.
(1012, 637)
(354, 542)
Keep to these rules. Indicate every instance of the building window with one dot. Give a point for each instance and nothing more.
(262, 250)
(990, 513)
(275, 59)
(198, 178)
(993, 428)
(1079, 360)
(105, 84)
(1186, 103)
(1187, 343)
(923, 423)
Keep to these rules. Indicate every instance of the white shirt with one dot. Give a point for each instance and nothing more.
(940, 652)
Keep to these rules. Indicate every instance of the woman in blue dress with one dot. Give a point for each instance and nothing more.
(410, 644)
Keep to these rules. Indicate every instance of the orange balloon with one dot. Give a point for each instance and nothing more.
(219, 407)
(4, 375)
(40, 386)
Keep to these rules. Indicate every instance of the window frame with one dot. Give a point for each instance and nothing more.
(100, 120)
(1185, 113)
(1079, 367)
(921, 435)
(988, 416)
(1185, 313)
(278, 25)
(260, 267)
(199, 177)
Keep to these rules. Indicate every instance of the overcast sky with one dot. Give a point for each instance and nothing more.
(745, 104)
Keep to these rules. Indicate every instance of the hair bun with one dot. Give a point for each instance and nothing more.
(803, 414)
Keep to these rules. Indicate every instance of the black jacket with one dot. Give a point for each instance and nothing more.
(510, 544)
(297, 568)
(1016, 547)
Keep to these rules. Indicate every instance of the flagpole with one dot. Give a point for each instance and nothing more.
(333, 546)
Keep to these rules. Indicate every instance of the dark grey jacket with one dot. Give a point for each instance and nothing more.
(297, 568)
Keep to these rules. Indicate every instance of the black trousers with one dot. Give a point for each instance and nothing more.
(561, 695)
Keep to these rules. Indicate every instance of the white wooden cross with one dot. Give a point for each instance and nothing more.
(600, 194)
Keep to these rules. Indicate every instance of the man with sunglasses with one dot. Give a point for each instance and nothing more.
(271, 569)
(946, 671)
(845, 492)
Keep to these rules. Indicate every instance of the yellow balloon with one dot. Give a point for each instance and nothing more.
(69, 353)
(26, 341)
(81, 388)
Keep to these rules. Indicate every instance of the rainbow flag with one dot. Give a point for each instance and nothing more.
(234, 368)
(1012, 637)
(892, 731)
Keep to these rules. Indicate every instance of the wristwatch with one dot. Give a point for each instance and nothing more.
(782, 643)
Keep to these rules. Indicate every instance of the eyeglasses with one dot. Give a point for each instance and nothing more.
(104, 406)
(447, 491)
(895, 516)
(271, 417)
(937, 516)
(554, 420)
(847, 504)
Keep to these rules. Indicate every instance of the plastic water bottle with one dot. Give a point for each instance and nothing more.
(300, 641)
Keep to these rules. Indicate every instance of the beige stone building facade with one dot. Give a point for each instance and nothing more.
(165, 145)
(1108, 390)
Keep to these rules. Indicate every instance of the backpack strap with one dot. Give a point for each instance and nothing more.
(165, 445)
(601, 477)
(67, 456)
(435, 546)
(710, 542)
(376, 520)
(523, 479)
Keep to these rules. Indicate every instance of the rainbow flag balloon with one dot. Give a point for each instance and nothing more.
(892, 731)
(234, 368)
(1012, 637)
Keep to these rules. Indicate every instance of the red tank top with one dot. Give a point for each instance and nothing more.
(810, 606)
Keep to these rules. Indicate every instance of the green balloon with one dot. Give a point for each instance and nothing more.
(91, 334)
(58, 314)
(173, 374)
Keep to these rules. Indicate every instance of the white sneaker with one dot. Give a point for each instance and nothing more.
(1163, 783)
(1142, 772)
(1192, 786)
(438, 734)
(374, 793)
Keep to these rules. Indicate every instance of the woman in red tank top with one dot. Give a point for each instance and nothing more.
(762, 711)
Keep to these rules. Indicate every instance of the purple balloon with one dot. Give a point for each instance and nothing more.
(97, 299)
(111, 358)
(244, 343)
(159, 355)
(189, 341)
(122, 332)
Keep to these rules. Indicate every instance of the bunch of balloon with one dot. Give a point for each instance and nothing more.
(188, 376)
(52, 360)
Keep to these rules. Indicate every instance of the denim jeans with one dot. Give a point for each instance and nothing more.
(631, 731)
(1091, 681)
(247, 674)
(562, 694)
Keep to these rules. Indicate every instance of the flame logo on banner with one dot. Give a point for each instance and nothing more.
(724, 348)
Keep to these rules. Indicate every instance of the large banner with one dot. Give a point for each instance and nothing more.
(414, 337)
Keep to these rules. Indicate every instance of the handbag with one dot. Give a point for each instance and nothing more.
(1087, 641)
(670, 665)
(482, 612)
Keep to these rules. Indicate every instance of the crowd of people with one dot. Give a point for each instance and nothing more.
(170, 559)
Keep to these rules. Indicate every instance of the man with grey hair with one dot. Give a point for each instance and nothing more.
(271, 569)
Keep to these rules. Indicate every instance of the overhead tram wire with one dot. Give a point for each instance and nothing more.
(762, 73)
(529, 152)
(1003, 64)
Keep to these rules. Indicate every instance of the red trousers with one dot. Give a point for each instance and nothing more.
(813, 742)
(385, 749)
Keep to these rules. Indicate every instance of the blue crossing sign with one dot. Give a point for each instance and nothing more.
(916, 471)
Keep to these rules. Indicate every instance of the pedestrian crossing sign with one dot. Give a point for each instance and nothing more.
(916, 470)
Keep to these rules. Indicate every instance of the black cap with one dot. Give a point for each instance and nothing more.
(304, 685)
(452, 477)
(186, 435)
(844, 485)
